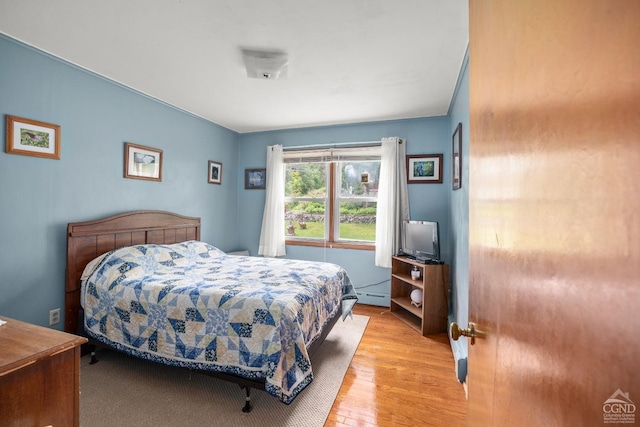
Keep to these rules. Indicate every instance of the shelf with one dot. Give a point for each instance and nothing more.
(407, 279)
(408, 319)
(405, 302)
(410, 261)
(431, 317)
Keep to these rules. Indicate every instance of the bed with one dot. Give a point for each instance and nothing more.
(143, 283)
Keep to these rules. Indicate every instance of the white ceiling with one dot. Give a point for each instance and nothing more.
(350, 61)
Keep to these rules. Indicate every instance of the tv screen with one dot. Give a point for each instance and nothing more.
(420, 240)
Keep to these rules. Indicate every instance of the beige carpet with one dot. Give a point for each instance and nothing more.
(124, 391)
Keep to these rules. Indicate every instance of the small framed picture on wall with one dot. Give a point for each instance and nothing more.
(424, 169)
(456, 170)
(142, 162)
(255, 179)
(215, 173)
(32, 138)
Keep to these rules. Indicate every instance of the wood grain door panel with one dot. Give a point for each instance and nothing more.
(554, 209)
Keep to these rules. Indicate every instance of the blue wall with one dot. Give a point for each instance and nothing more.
(459, 113)
(427, 201)
(38, 197)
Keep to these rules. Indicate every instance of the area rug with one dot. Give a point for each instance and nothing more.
(124, 391)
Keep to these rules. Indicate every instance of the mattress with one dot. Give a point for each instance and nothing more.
(191, 305)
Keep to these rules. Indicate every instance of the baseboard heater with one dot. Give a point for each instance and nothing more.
(370, 294)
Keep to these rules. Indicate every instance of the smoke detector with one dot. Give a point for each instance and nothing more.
(265, 65)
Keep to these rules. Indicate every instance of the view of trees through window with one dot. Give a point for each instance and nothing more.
(308, 207)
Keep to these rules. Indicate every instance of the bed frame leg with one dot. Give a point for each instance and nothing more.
(94, 359)
(247, 405)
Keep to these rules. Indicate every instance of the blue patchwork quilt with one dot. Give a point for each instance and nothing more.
(191, 305)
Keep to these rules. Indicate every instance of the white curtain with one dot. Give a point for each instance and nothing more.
(272, 234)
(393, 200)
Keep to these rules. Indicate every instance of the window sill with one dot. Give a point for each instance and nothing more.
(332, 245)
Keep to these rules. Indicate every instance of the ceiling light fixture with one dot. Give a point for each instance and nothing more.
(265, 65)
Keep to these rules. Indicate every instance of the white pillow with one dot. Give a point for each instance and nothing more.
(91, 266)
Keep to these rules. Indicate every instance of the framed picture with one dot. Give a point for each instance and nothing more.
(424, 169)
(32, 138)
(255, 179)
(215, 172)
(456, 170)
(142, 162)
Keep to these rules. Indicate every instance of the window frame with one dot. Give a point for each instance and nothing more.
(332, 207)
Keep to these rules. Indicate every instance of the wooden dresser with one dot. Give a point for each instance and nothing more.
(39, 376)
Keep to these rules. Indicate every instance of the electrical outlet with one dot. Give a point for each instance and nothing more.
(54, 317)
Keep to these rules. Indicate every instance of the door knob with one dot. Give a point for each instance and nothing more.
(470, 332)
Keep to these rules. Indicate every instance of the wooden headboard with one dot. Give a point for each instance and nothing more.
(87, 240)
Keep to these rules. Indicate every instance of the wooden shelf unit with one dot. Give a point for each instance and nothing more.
(431, 317)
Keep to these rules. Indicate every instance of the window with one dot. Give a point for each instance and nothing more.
(331, 197)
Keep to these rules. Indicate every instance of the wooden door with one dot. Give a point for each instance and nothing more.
(554, 211)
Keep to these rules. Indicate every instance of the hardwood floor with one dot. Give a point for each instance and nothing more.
(398, 378)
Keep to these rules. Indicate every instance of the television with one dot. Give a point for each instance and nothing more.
(421, 241)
